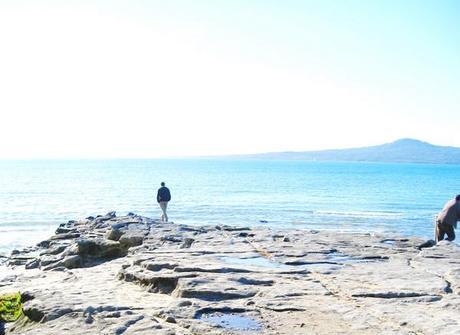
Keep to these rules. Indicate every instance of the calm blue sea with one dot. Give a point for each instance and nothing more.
(35, 196)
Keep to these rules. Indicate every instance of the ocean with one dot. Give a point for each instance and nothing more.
(37, 195)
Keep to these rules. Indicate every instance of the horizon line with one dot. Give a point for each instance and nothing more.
(207, 156)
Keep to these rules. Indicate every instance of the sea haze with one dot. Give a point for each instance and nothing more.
(36, 196)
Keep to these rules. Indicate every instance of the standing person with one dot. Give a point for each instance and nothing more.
(163, 197)
(446, 221)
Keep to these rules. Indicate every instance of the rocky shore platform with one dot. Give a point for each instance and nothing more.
(134, 275)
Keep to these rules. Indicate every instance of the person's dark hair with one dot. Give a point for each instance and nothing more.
(163, 184)
(457, 198)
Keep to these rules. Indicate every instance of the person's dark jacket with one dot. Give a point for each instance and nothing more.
(163, 194)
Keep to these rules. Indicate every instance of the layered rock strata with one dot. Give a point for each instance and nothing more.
(134, 275)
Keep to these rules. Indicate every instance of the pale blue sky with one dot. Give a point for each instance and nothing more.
(165, 78)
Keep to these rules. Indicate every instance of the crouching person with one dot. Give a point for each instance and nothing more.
(446, 221)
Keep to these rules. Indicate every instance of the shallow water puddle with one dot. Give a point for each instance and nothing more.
(231, 321)
(332, 260)
(255, 261)
(389, 241)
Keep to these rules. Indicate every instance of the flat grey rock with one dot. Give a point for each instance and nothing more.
(134, 275)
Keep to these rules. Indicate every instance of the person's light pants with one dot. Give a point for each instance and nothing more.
(164, 206)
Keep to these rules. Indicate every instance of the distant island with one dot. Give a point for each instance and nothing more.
(401, 151)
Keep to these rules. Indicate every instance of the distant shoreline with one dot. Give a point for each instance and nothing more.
(404, 151)
(239, 158)
(400, 151)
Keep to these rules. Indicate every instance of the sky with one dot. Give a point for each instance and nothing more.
(141, 79)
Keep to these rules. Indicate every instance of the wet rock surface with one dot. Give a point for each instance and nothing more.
(134, 275)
